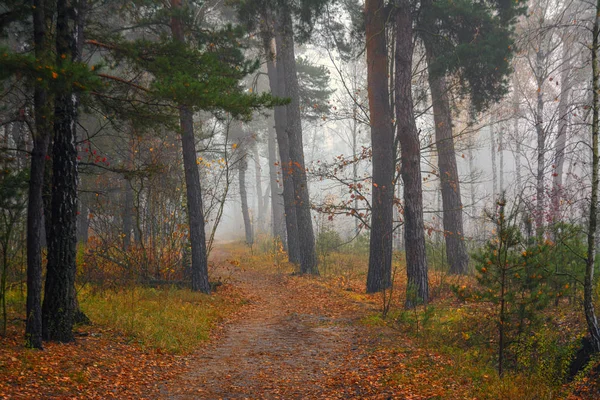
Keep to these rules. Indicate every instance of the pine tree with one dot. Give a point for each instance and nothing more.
(477, 47)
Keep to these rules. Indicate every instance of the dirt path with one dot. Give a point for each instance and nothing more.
(288, 344)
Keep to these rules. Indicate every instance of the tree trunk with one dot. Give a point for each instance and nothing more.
(416, 261)
(456, 251)
(471, 157)
(243, 167)
(58, 309)
(561, 138)
(127, 214)
(517, 153)
(306, 237)
(382, 142)
(355, 156)
(541, 145)
(199, 268)
(260, 203)
(277, 211)
(501, 162)
(588, 296)
(275, 70)
(494, 163)
(42, 17)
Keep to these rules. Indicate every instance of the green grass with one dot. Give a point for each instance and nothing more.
(172, 320)
(464, 336)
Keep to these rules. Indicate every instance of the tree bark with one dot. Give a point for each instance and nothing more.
(494, 163)
(306, 236)
(382, 142)
(517, 153)
(58, 308)
(243, 167)
(588, 296)
(272, 41)
(127, 214)
(416, 261)
(277, 211)
(199, 268)
(561, 137)
(42, 19)
(456, 251)
(541, 145)
(260, 203)
(501, 161)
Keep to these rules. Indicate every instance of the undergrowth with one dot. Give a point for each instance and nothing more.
(169, 319)
(454, 338)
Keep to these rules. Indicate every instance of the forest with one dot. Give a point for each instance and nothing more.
(299, 199)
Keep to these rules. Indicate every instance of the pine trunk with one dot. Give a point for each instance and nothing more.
(58, 309)
(277, 211)
(199, 268)
(456, 251)
(306, 237)
(275, 69)
(382, 142)
(243, 167)
(260, 202)
(416, 261)
(42, 17)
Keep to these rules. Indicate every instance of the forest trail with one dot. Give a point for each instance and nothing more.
(288, 343)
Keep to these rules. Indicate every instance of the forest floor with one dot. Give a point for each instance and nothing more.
(295, 339)
(301, 337)
(290, 337)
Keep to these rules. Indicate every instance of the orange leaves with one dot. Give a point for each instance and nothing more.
(101, 364)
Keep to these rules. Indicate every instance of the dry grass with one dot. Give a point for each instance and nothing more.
(170, 319)
(461, 333)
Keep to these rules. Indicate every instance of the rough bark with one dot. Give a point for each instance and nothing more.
(588, 296)
(199, 270)
(42, 17)
(58, 308)
(275, 70)
(306, 236)
(243, 167)
(416, 261)
(382, 142)
(456, 251)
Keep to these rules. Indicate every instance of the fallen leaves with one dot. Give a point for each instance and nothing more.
(101, 364)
